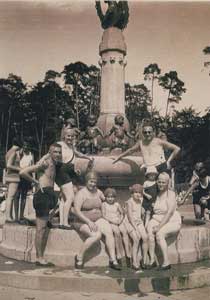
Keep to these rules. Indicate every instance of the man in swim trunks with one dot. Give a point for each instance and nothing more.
(44, 199)
(152, 149)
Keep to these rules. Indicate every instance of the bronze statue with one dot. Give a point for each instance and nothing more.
(89, 141)
(119, 134)
(117, 14)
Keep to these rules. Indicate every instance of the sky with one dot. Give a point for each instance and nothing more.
(36, 36)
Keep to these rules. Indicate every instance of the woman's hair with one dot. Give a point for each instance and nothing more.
(164, 174)
(136, 188)
(91, 175)
(69, 130)
(202, 173)
(110, 191)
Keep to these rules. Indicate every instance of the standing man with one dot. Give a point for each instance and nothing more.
(152, 149)
(45, 198)
(27, 159)
(12, 178)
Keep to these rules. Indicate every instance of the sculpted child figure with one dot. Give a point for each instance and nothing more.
(90, 142)
(120, 133)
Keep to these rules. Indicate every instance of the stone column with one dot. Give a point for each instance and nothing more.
(112, 50)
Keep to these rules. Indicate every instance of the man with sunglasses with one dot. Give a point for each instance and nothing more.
(152, 149)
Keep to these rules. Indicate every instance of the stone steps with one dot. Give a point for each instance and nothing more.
(102, 280)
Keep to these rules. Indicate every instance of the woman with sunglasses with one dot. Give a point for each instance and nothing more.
(152, 149)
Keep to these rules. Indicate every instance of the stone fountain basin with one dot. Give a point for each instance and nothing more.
(119, 175)
(192, 244)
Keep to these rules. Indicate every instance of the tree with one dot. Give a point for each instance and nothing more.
(137, 100)
(85, 82)
(171, 82)
(48, 103)
(74, 74)
(152, 72)
(12, 93)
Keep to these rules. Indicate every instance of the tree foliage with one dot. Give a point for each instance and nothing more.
(174, 86)
(152, 72)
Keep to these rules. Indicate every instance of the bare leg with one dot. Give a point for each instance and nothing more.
(169, 228)
(144, 237)
(135, 246)
(40, 243)
(12, 190)
(68, 197)
(61, 212)
(126, 241)
(16, 202)
(151, 240)
(118, 241)
(92, 238)
(23, 202)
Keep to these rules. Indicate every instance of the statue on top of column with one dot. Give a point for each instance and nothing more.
(117, 14)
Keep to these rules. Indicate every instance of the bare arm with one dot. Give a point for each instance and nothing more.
(81, 155)
(128, 134)
(110, 132)
(190, 189)
(26, 172)
(129, 213)
(10, 162)
(148, 196)
(100, 132)
(175, 150)
(135, 148)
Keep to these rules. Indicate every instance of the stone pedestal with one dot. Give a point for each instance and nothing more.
(192, 244)
(112, 51)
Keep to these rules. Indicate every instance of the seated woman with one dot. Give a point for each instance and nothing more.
(165, 221)
(88, 220)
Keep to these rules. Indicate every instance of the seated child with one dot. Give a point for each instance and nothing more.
(149, 192)
(113, 212)
(136, 229)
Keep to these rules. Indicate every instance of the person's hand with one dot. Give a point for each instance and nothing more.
(156, 229)
(36, 186)
(78, 172)
(168, 165)
(149, 197)
(93, 227)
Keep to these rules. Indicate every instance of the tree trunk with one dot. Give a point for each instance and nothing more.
(77, 107)
(152, 93)
(169, 93)
(8, 127)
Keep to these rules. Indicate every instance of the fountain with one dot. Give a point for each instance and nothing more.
(192, 244)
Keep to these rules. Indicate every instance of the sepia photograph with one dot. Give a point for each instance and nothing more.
(104, 149)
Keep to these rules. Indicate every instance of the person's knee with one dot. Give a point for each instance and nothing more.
(197, 214)
(151, 237)
(107, 230)
(145, 238)
(97, 235)
(123, 231)
(159, 237)
(116, 232)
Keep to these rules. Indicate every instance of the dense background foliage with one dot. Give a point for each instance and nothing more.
(36, 113)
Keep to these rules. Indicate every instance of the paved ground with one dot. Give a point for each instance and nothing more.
(20, 294)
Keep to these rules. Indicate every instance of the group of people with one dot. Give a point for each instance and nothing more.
(149, 214)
